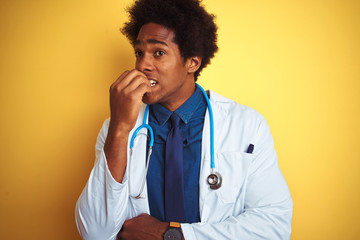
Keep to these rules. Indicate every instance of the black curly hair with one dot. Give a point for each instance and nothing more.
(194, 28)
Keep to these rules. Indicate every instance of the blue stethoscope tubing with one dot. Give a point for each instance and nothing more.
(211, 116)
(214, 179)
(151, 144)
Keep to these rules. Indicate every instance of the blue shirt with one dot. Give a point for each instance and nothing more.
(192, 114)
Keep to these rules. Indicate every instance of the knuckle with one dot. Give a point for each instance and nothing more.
(138, 77)
(126, 91)
(132, 97)
(112, 85)
(145, 85)
(118, 88)
(134, 71)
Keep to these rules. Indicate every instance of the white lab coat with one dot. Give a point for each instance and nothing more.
(254, 201)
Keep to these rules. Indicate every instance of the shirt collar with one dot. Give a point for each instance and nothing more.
(185, 111)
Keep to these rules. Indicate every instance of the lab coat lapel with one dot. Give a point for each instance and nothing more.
(219, 116)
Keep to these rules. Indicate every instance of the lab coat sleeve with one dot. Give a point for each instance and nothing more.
(267, 212)
(103, 205)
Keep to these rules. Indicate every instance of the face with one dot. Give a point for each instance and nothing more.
(159, 58)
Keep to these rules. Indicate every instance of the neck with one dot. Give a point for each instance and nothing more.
(181, 99)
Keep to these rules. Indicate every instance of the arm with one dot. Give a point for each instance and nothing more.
(267, 212)
(103, 206)
(143, 227)
(125, 99)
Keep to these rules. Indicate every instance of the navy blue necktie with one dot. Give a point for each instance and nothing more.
(174, 174)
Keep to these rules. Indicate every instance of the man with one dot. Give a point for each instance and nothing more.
(173, 41)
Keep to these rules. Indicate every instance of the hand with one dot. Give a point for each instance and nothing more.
(125, 100)
(126, 94)
(143, 227)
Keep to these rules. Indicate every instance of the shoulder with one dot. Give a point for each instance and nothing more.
(234, 110)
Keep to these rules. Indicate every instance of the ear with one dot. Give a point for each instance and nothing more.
(193, 64)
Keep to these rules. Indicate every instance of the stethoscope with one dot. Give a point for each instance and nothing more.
(214, 179)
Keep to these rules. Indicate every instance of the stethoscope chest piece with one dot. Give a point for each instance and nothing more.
(214, 180)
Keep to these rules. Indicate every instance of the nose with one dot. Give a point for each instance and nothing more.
(145, 63)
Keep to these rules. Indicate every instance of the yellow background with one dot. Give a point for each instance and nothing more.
(296, 62)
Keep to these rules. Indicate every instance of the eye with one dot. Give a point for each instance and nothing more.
(138, 53)
(159, 53)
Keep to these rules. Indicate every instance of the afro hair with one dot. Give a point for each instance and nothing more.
(194, 28)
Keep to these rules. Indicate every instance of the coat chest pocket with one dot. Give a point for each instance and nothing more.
(233, 166)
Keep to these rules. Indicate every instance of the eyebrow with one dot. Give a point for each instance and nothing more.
(152, 41)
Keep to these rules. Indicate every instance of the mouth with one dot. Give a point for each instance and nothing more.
(153, 83)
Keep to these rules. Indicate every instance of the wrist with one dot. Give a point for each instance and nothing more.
(115, 149)
(118, 130)
(163, 228)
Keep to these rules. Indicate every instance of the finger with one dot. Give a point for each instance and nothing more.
(132, 92)
(119, 79)
(141, 90)
(136, 82)
(126, 78)
(137, 94)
